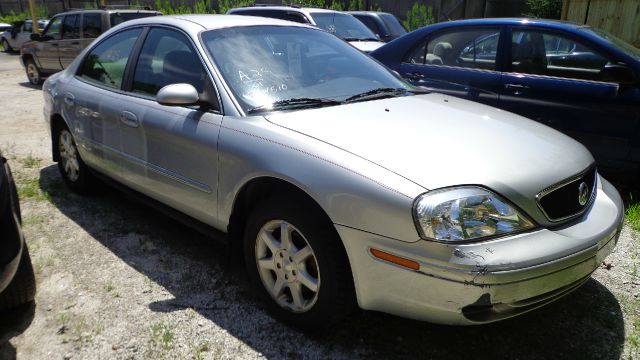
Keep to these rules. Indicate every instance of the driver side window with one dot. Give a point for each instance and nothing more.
(54, 29)
(476, 49)
(167, 58)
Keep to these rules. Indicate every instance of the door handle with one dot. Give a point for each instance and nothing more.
(516, 87)
(129, 119)
(69, 99)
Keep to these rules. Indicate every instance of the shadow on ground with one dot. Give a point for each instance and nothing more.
(586, 324)
(12, 323)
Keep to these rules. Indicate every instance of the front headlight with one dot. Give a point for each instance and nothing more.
(465, 214)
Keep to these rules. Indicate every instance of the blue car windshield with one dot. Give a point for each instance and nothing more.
(627, 48)
(267, 65)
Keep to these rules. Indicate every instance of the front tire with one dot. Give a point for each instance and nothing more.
(73, 170)
(296, 262)
(33, 73)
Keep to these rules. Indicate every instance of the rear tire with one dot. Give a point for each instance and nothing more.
(33, 73)
(22, 289)
(74, 171)
(304, 277)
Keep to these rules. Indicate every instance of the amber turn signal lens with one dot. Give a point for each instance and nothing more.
(409, 264)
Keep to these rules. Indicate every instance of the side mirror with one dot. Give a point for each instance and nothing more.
(178, 95)
(618, 73)
(35, 37)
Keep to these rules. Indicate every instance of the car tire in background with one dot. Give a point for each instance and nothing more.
(33, 73)
(74, 171)
(311, 264)
(5, 46)
(22, 288)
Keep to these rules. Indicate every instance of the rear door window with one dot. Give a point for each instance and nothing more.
(106, 62)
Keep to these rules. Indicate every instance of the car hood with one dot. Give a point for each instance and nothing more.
(366, 46)
(437, 141)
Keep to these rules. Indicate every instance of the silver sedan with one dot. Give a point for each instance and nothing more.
(340, 184)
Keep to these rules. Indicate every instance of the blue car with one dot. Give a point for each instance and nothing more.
(577, 79)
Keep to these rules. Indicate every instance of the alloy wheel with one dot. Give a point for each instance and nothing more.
(287, 266)
(69, 156)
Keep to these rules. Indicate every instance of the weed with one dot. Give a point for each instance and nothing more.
(200, 349)
(162, 334)
(31, 162)
(30, 189)
(109, 287)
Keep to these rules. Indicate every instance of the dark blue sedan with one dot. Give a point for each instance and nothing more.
(579, 80)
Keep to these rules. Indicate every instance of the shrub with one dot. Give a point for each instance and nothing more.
(546, 9)
(419, 16)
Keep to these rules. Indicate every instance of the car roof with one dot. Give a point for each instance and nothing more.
(110, 11)
(371, 13)
(511, 21)
(307, 10)
(199, 22)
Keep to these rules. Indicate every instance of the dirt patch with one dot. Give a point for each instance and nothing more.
(118, 280)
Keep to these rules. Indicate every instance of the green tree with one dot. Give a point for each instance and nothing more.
(418, 16)
(545, 9)
(226, 5)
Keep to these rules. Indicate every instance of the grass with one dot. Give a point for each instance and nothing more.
(632, 216)
(201, 349)
(31, 162)
(162, 334)
(30, 189)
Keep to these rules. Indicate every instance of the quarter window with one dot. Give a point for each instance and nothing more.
(475, 49)
(105, 64)
(28, 27)
(167, 58)
(71, 27)
(539, 53)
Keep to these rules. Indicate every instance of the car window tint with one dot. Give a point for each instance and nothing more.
(166, 58)
(54, 29)
(539, 53)
(91, 26)
(394, 26)
(27, 27)
(370, 23)
(71, 27)
(105, 64)
(120, 17)
(476, 48)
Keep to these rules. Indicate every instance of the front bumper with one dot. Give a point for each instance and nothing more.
(488, 281)
(11, 237)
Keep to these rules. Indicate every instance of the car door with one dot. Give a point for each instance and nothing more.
(461, 62)
(170, 152)
(558, 79)
(91, 28)
(70, 43)
(22, 36)
(93, 102)
(47, 48)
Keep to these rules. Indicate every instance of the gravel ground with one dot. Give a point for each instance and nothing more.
(117, 280)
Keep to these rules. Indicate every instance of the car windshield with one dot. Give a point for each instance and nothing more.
(343, 26)
(627, 48)
(278, 67)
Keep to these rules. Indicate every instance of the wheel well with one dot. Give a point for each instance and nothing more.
(57, 122)
(27, 57)
(256, 191)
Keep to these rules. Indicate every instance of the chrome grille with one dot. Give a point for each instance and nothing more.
(562, 201)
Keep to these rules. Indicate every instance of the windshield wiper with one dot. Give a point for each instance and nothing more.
(294, 103)
(377, 94)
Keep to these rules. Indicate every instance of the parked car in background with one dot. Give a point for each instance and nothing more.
(439, 208)
(67, 34)
(19, 33)
(574, 78)
(5, 26)
(386, 26)
(338, 23)
(17, 281)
